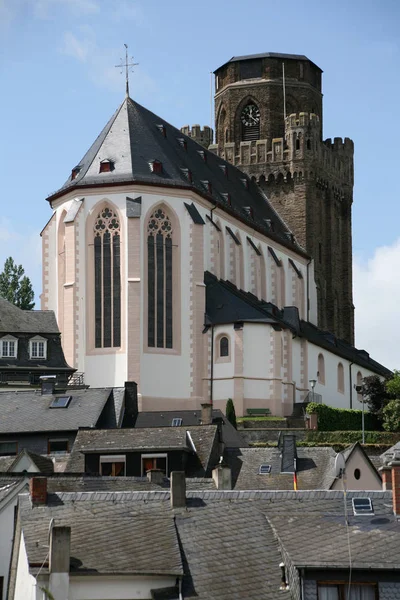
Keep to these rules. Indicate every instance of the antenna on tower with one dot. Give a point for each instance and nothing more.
(284, 91)
(127, 66)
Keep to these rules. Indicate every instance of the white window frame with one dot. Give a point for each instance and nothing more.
(8, 339)
(113, 458)
(37, 339)
(159, 455)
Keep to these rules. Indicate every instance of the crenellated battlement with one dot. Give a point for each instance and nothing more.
(302, 119)
(201, 135)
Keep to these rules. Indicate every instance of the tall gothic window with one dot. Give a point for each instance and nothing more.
(159, 277)
(107, 279)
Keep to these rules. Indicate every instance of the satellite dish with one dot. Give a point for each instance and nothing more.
(340, 465)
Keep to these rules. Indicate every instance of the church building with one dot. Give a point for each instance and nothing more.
(168, 266)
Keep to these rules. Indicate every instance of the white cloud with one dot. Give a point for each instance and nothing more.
(377, 302)
(81, 49)
(25, 249)
(43, 8)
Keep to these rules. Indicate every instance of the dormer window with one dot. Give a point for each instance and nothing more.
(8, 347)
(207, 185)
(75, 172)
(182, 142)
(106, 166)
(156, 166)
(188, 174)
(248, 210)
(224, 169)
(227, 198)
(245, 183)
(161, 129)
(203, 155)
(38, 348)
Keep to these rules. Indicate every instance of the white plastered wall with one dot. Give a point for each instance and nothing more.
(25, 583)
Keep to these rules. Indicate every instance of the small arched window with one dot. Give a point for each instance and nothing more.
(340, 378)
(224, 346)
(321, 369)
(297, 144)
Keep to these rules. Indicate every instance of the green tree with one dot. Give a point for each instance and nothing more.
(15, 286)
(393, 385)
(230, 412)
(376, 395)
(391, 416)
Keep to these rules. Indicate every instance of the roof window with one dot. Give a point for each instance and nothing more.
(245, 182)
(176, 422)
(106, 166)
(224, 169)
(264, 470)
(188, 174)
(227, 198)
(156, 166)
(60, 402)
(362, 506)
(248, 210)
(75, 172)
(207, 185)
(203, 155)
(270, 224)
(182, 142)
(161, 128)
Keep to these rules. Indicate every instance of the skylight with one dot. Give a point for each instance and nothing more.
(60, 402)
(176, 422)
(264, 470)
(362, 506)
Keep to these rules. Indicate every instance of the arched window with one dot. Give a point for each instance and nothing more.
(217, 251)
(224, 346)
(107, 279)
(340, 378)
(159, 280)
(321, 369)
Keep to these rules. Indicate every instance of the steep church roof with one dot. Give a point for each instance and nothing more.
(134, 139)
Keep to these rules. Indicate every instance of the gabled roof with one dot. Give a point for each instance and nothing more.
(42, 463)
(16, 320)
(267, 55)
(226, 304)
(30, 412)
(134, 137)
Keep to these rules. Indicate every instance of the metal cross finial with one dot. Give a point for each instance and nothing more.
(127, 65)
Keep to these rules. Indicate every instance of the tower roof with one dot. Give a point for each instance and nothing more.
(268, 55)
(135, 138)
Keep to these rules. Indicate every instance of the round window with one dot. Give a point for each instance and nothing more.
(357, 473)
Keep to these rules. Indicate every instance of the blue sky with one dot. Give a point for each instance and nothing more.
(60, 86)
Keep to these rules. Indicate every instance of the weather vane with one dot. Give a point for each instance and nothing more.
(127, 66)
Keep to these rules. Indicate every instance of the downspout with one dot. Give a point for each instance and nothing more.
(211, 212)
(351, 386)
(212, 366)
(308, 290)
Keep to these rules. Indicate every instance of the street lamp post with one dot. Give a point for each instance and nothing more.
(312, 383)
(360, 391)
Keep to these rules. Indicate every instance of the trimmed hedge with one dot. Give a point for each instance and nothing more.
(328, 438)
(342, 419)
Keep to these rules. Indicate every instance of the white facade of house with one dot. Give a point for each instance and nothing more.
(7, 509)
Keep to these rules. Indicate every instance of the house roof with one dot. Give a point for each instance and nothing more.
(230, 436)
(147, 439)
(29, 411)
(225, 544)
(226, 304)
(267, 55)
(16, 320)
(314, 468)
(43, 463)
(134, 137)
(144, 539)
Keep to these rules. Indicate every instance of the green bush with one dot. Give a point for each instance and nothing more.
(342, 419)
(391, 416)
(328, 438)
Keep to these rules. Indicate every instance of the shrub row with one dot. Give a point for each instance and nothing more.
(342, 419)
(328, 438)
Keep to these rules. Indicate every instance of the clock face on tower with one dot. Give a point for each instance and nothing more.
(250, 116)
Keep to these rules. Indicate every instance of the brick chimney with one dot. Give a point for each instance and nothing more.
(59, 561)
(178, 489)
(222, 476)
(386, 473)
(38, 490)
(391, 478)
(206, 414)
(155, 476)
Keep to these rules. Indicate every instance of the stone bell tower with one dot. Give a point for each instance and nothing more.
(268, 121)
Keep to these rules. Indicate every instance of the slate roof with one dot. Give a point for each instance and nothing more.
(147, 439)
(268, 55)
(144, 538)
(314, 468)
(225, 303)
(6, 488)
(134, 137)
(119, 484)
(16, 320)
(29, 411)
(230, 436)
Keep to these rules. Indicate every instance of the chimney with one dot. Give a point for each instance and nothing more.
(386, 473)
(395, 467)
(38, 490)
(155, 476)
(59, 561)
(48, 383)
(206, 414)
(178, 489)
(222, 477)
(131, 404)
